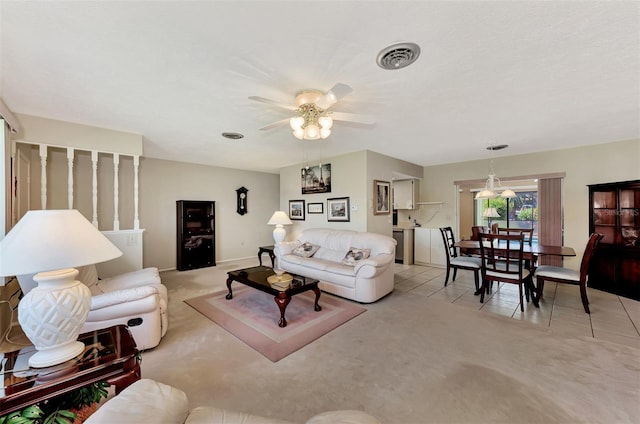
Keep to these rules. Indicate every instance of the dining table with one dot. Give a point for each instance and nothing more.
(530, 252)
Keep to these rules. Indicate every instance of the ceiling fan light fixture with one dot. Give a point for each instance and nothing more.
(298, 133)
(312, 132)
(325, 122)
(296, 122)
(324, 133)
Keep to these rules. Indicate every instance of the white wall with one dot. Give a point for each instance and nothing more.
(601, 163)
(352, 176)
(163, 182)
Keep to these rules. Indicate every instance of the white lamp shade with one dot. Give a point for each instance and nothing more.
(279, 217)
(485, 194)
(490, 213)
(47, 240)
(508, 194)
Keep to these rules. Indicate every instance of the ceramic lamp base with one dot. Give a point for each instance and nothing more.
(52, 314)
(279, 233)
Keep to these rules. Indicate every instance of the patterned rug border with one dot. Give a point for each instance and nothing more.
(275, 343)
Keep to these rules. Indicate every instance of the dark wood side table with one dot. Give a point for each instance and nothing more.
(269, 250)
(110, 355)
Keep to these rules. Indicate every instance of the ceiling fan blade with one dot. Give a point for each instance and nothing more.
(273, 102)
(353, 117)
(275, 124)
(337, 92)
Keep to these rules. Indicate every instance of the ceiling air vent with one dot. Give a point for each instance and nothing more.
(232, 135)
(398, 55)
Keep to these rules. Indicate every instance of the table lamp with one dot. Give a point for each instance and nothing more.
(51, 243)
(279, 218)
(490, 213)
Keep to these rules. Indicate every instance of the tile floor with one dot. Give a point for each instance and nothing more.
(612, 317)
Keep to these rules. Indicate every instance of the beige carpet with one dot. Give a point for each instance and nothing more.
(410, 359)
(252, 316)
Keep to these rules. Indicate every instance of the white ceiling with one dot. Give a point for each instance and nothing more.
(537, 75)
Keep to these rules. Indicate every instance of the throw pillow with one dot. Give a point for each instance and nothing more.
(306, 250)
(355, 255)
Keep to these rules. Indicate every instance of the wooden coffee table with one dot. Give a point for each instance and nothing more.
(110, 355)
(256, 277)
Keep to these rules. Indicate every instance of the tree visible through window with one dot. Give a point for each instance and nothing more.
(518, 212)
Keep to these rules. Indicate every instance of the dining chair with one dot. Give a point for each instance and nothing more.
(502, 261)
(565, 275)
(527, 232)
(475, 230)
(455, 262)
(528, 239)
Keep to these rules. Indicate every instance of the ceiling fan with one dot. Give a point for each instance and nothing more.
(313, 118)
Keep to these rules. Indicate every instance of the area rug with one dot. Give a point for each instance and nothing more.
(252, 316)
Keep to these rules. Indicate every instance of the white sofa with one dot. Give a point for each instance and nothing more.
(137, 299)
(149, 401)
(366, 281)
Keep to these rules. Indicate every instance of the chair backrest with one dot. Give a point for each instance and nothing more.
(475, 230)
(594, 239)
(527, 232)
(449, 241)
(502, 253)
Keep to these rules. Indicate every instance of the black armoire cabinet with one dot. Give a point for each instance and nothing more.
(196, 234)
(615, 213)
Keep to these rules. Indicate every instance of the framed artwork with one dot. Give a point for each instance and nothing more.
(296, 210)
(315, 208)
(338, 209)
(381, 197)
(316, 179)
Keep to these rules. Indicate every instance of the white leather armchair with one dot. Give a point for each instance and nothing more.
(137, 299)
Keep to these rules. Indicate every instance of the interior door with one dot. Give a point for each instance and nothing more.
(22, 184)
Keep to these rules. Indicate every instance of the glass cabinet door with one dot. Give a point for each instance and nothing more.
(605, 211)
(629, 217)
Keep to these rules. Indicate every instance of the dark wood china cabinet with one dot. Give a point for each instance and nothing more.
(196, 246)
(615, 213)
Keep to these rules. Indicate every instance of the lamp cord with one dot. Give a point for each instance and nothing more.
(5, 336)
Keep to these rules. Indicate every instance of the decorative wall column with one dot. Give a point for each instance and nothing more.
(116, 219)
(70, 155)
(136, 218)
(94, 189)
(43, 176)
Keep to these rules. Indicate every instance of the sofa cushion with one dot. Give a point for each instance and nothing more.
(145, 401)
(305, 250)
(355, 255)
(330, 254)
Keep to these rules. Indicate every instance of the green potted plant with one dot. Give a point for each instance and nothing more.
(71, 408)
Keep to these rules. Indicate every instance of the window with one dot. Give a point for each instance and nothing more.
(518, 212)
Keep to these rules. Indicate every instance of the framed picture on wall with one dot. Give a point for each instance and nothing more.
(315, 208)
(296, 210)
(316, 179)
(381, 197)
(338, 209)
